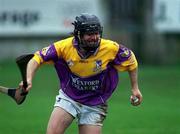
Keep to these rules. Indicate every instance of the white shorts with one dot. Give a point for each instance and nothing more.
(86, 115)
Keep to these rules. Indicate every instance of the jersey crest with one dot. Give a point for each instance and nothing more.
(98, 66)
(45, 51)
(125, 52)
(70, 63)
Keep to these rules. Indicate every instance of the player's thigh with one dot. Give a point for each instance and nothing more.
(90, 129)
(59, 121)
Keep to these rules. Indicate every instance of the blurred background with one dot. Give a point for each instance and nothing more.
(151, 28)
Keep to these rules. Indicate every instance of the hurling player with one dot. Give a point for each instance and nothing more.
(87, 66)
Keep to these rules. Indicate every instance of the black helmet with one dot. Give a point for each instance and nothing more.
(86, 23)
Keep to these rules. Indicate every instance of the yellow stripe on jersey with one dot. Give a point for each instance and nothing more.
(37, 58)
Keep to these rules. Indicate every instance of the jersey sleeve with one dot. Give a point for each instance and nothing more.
(47, 55)
(125, 59)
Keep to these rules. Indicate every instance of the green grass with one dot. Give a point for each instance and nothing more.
(158, 114)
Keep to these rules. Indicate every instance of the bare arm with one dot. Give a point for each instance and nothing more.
(31, 69)
(134, 87)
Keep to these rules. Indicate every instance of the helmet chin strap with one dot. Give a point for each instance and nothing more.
(89, 46)
(89, 49)
(85, 52)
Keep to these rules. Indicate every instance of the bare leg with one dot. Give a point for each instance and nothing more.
(59, 121)
(90, 129)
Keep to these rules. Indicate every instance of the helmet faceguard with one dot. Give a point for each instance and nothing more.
(87, 24)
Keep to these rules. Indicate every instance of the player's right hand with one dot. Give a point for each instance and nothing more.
(29, 86)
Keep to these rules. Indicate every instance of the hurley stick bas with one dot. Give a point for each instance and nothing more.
(14, 93)
(19, 94)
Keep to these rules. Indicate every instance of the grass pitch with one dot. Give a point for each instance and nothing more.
(158, 114)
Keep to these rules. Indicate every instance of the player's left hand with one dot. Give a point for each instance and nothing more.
(136, 97)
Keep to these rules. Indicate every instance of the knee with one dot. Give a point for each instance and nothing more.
(54, 129)
(51, 130)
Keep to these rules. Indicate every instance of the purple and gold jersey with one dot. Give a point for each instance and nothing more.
(89, 81)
